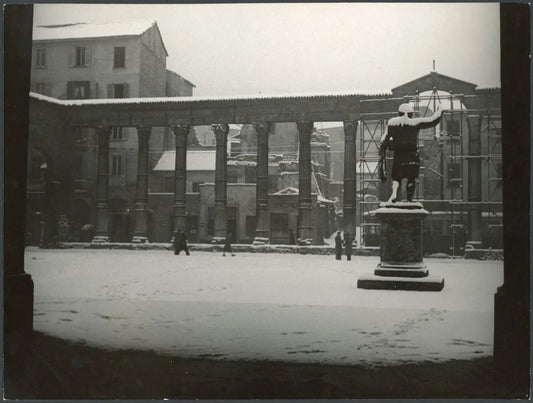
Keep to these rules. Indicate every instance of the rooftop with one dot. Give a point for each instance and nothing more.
(89, 30)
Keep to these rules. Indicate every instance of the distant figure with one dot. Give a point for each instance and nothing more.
(348, 246)
(292, 238)
(338, 246)
(87, 233)
(402, 137)
(227, 246)
(180, 243)
(63, 229)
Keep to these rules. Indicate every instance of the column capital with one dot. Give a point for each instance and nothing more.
(221, 131)
(144, 130)
(262, 128)
(180, 130)
(305, 126)
(350, 127)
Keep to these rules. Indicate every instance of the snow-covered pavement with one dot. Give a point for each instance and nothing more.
(283, 307)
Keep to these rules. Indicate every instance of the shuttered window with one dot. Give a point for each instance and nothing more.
(79, 56)
(119, 57)
(118, 90)
(79, 89)
(40, 60)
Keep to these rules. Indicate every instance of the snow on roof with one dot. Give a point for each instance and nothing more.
(197, 160)
(193, 99)
(90, 30)
(287, 191)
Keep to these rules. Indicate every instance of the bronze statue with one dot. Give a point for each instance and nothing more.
(401, 136)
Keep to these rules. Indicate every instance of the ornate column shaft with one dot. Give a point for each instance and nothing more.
(474, 177)
(140, 233)
(305, 228)
(101, 233)
(262, 215)
(221, 135)
(350, 186)
(180, 176)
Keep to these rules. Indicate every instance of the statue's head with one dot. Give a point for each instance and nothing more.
(406, 109)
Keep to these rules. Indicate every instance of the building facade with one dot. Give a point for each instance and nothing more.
(100, 61)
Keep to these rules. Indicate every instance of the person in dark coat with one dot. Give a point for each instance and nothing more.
(180, 243)
(338, 246)
(348, 246)
(227, 246)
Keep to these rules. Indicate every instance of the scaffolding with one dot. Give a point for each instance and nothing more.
(442, 184)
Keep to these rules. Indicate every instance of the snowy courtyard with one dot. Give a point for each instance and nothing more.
(281, 307)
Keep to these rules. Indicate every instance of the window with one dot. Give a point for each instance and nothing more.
(117, 91)
(40, 62)
(80, 56)
(117, 166)
(116, 134)
(120, 57)
(78, 89)
(196, 187)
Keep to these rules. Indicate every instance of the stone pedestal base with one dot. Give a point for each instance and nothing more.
(139, 239)
(100, 239)
(401, 266)
(430, 283)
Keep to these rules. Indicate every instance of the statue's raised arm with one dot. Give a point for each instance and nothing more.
(429, 121)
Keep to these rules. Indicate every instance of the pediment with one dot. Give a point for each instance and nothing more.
(437, 81)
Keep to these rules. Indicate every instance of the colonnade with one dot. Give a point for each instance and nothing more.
(262, 235)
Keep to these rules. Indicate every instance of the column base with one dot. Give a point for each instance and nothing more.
(139, 239)
(304, 242)
(218, 240)
(100, 239)
(258, 240)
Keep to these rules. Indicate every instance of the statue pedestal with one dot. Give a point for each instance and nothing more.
(402, 266)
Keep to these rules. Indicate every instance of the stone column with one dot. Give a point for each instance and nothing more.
(101, 231)
(474, 179)
(180, 176)
(140, 233)
(350, 185)
(262, 215)
(305, 227)
(221, 135)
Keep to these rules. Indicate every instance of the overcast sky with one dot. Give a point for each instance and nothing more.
(246, 49)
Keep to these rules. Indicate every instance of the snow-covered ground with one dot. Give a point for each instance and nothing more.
(299, 308)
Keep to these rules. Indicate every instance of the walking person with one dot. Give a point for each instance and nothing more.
(180, 243)
(348, 246)
(338, 246)
(227, 246)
